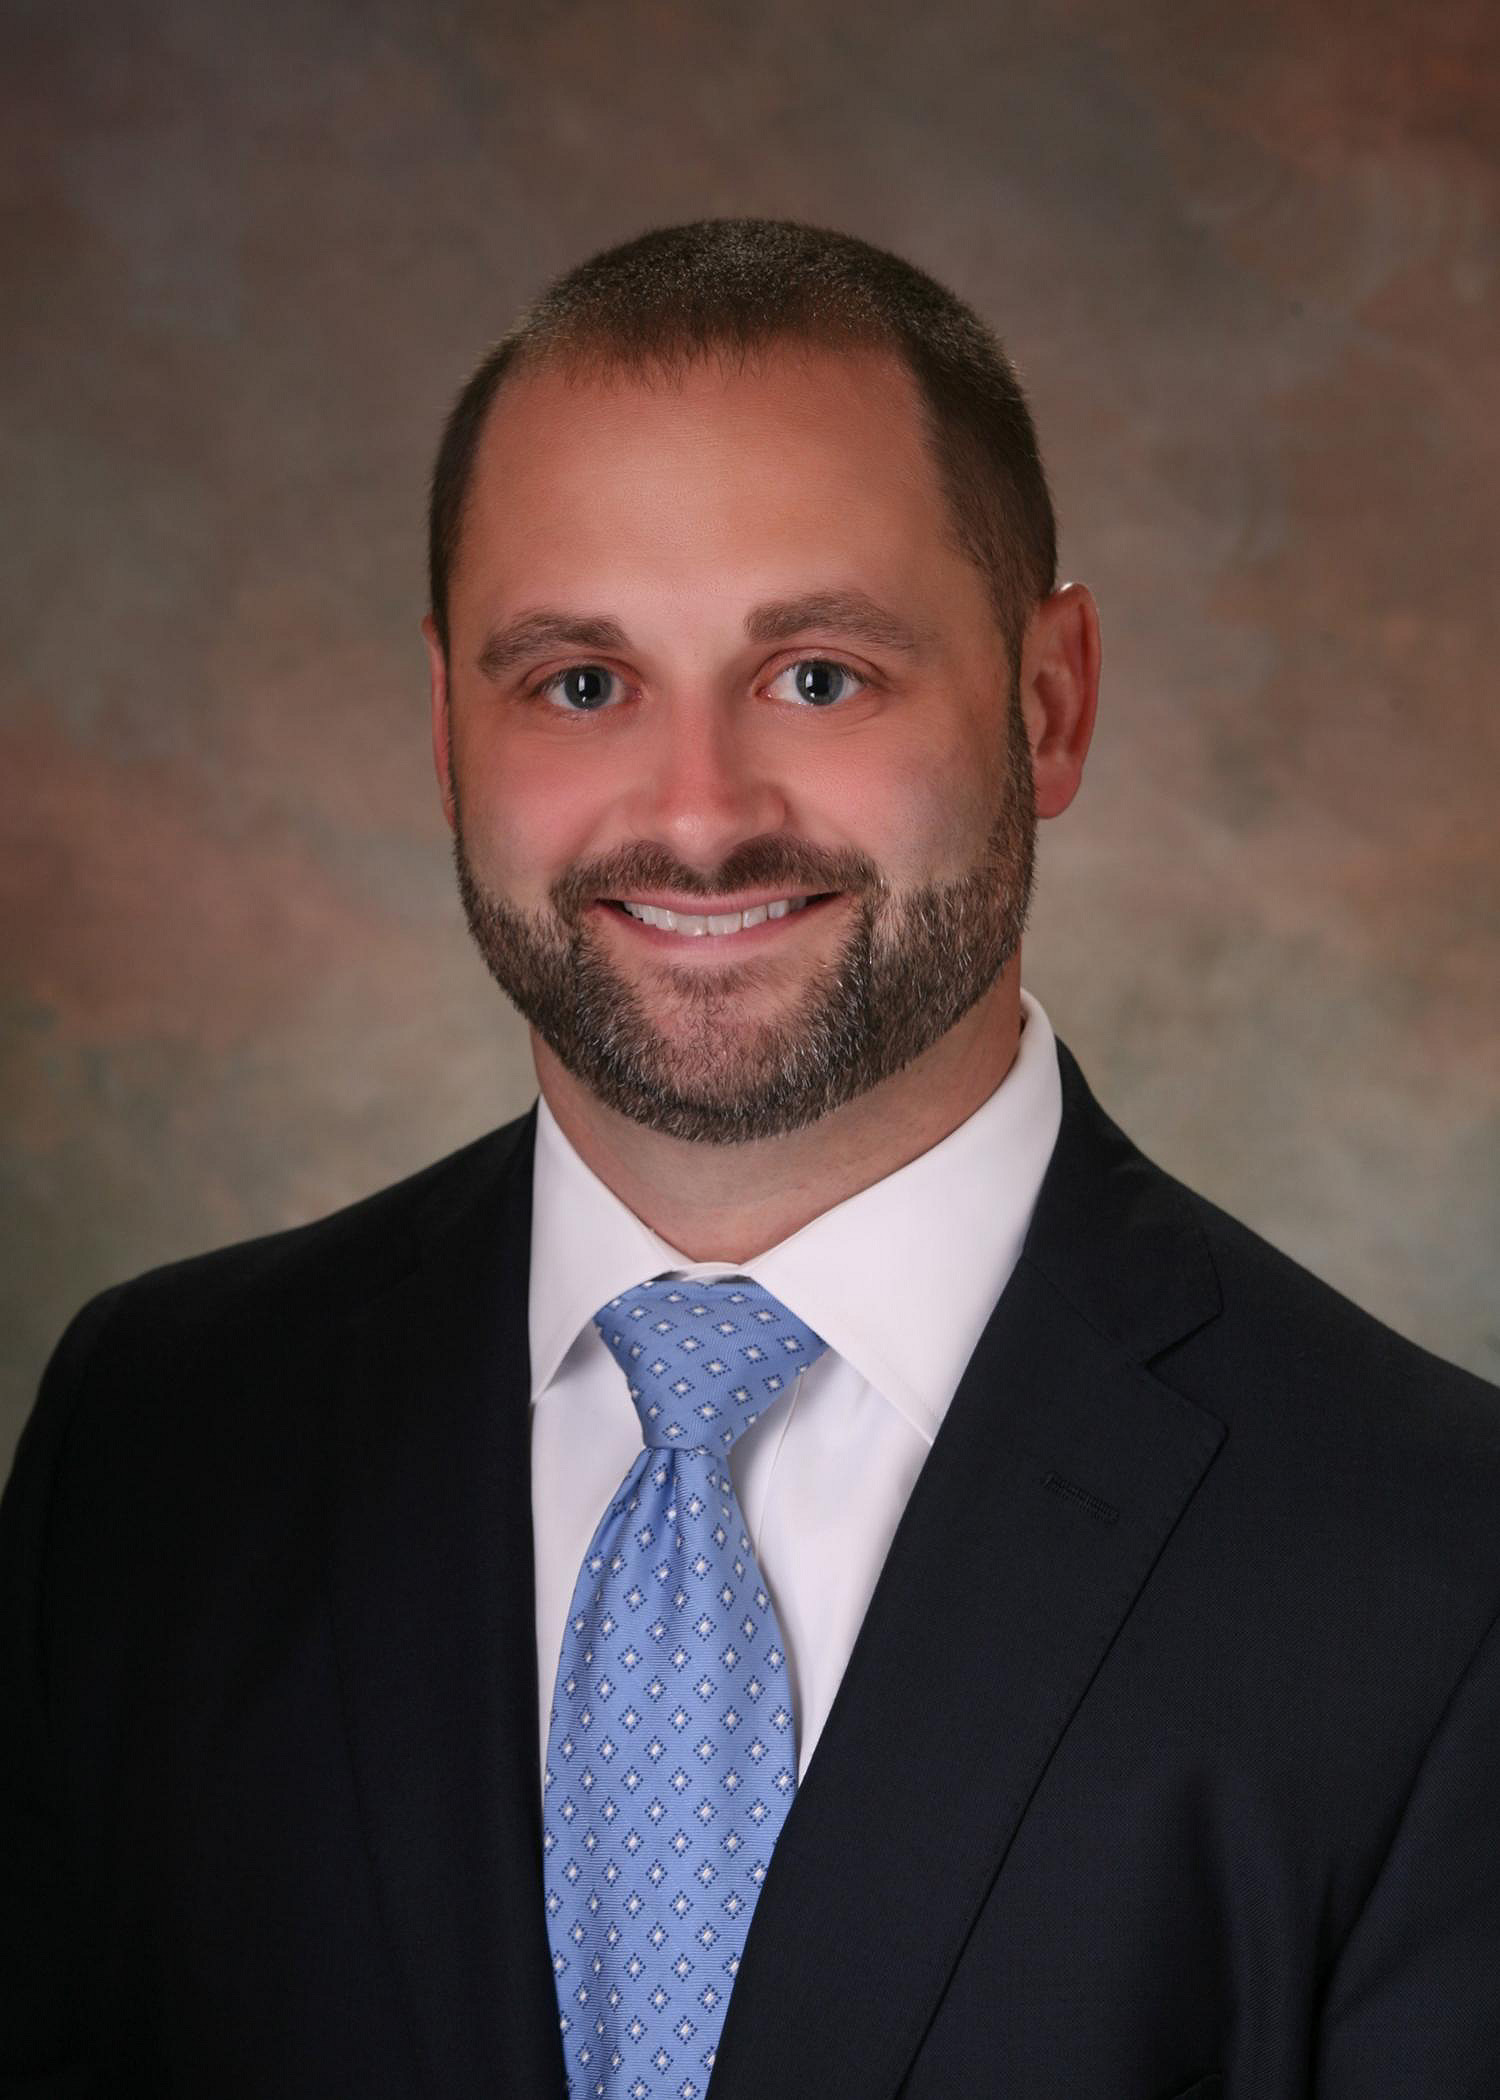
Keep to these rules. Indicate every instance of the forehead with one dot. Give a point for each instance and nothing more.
(715, 470)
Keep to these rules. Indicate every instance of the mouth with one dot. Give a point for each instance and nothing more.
(760, 919)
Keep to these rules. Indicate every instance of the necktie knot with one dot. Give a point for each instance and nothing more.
(703, 1359)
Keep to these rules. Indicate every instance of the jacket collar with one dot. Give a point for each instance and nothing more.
(1116, 1237)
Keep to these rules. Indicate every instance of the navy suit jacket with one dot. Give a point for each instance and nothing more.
(1167, 1761)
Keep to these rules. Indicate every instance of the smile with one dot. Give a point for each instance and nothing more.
(712, 922)
(758, 920)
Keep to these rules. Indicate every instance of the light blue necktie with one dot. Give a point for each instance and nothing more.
(672, 1748)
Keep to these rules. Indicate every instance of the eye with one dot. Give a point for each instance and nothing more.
(582, 689)
(816, 680)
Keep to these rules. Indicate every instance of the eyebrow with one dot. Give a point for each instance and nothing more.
(533, 632)
(849, 613)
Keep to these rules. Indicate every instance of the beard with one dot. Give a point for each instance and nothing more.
(912, 964)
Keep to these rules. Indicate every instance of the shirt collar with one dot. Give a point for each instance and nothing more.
(899, 1279)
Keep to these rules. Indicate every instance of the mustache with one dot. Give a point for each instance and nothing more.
(767, 863)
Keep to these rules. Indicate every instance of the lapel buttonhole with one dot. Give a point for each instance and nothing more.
(1072, 1492)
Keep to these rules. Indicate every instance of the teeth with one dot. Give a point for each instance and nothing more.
(713, 922)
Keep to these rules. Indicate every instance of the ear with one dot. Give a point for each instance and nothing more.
(1060, 692)
(442, 726)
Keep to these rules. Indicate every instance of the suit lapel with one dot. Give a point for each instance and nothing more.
(432, 1586)
(1057, 1477)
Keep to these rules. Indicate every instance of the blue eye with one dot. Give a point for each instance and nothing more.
(582, 688)
(817, 681)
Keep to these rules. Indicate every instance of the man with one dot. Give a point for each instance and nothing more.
(1007, 1631)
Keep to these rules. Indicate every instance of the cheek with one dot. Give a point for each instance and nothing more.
(527, 814)
(920, 808)
(961, 792)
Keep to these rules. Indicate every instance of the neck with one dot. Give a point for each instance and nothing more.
(732, 1202)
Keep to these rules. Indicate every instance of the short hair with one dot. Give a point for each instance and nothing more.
(732, 287)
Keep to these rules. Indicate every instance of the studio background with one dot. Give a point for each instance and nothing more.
(1248, 262)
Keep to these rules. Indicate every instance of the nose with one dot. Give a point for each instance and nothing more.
(702, 785)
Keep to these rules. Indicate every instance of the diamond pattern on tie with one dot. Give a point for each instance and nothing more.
(672, 1747)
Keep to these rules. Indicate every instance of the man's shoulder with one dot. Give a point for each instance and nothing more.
(1278, 1318)
(350, 1252)
(1335, 1424)
(1354, 1447)
(1133, 1232)
(257, 1299)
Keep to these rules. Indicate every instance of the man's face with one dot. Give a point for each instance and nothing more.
(711, 646)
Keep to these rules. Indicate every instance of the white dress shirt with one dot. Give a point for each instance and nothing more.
(899, 1279)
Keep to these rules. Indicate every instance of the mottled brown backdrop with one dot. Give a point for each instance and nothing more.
(1247, 260)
